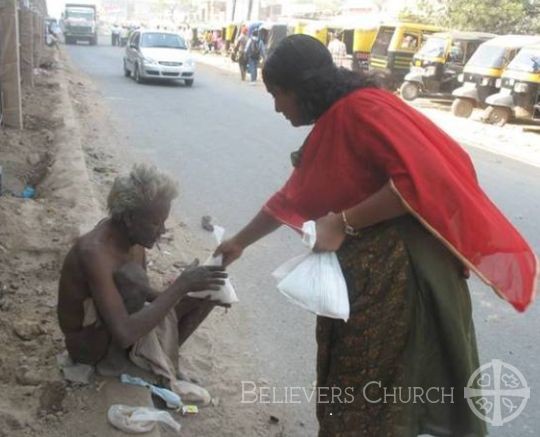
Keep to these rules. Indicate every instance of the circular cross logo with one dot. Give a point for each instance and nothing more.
(497, 392)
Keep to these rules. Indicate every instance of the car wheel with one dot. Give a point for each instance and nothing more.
(127, 73)
(68, 40)
(496, 115)
(137, 74)
(409, 90)
(189, 82)
(462, 108)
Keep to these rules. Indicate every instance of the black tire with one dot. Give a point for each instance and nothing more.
(93, 41)
(462, 108)
(409, 90)
(189, 82)
(137, 74)
(497, 115)
(68, 40)
(127, 73)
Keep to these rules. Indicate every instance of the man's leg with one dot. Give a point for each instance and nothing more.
(190, 313)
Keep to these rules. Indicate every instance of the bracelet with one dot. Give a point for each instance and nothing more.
(349, 230)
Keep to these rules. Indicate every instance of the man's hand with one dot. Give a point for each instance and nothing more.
(231, 251)
(330, 233)
(200, 278)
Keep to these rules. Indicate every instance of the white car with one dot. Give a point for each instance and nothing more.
(158, 55)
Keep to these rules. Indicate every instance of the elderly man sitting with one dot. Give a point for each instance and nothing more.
(105, 301)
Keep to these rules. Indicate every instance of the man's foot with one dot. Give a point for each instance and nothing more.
(114, 362)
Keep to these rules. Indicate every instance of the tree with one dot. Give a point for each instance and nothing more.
(497, 16)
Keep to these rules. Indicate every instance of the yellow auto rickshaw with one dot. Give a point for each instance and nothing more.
(519, 94)
(436, 66)
(316, 29)
(480, 74)
(395, 46)
(359, 41)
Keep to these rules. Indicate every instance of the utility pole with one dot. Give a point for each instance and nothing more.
(250, 7)
(10, 73)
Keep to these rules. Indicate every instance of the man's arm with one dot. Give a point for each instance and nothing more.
(125, 329)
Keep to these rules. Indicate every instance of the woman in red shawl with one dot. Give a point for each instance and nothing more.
(399, 203)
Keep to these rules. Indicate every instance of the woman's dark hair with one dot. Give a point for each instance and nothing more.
(302, 64)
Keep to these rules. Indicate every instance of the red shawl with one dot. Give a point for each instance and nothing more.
(371, 137)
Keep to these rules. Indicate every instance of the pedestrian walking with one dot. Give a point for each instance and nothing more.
(255, 52)
(115, 35)
(239, 52)
(399, 203)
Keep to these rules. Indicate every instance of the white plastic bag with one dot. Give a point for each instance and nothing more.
(226, 293)
(315, 281)
(138, 420)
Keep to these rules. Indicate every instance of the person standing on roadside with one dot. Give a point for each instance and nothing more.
(338, 50)
(255, 51)
(239, 53)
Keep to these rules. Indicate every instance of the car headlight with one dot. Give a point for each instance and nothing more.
(498, 83)
(431, 70)
(487, 81)
(149, 60)
(190, 62)
(521, 87)
(460, 77)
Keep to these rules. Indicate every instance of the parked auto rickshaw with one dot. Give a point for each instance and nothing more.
(273, 33)
(480, 74)
(437, 65)
(316, 29)
(519, 94)
(363, 40)
(395, 46)
(231, 33)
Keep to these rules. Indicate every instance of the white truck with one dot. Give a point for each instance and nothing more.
(80, 23)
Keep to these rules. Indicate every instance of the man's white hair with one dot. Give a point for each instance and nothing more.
(138, 190)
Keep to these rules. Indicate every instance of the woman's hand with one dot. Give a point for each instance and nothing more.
(231, 250)
(330, 233)
(200, 278)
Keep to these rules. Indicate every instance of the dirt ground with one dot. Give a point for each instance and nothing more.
(71, 152)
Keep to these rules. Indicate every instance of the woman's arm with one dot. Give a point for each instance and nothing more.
(380, 206)
(261, 225)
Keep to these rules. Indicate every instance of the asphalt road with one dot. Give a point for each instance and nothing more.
(230, 151)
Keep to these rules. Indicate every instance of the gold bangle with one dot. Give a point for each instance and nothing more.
(349, 230)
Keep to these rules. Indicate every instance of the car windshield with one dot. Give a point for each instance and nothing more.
(433, 48)
(489, 57)
(527, 60)
(87, 14)
(164, 40)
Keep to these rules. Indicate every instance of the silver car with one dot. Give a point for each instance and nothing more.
(158, 55)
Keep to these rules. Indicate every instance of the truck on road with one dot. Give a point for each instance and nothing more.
(80, 23)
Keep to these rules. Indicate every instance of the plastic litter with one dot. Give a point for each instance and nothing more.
(138, 420)
(190, 392)
(190, 409)
(226, 293)
(28, 192)
(314, 281)
(172, 400)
